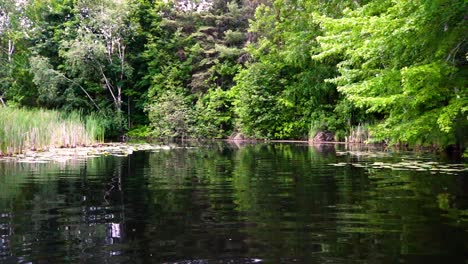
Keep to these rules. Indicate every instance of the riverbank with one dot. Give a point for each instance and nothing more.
(54, 154)
(63, 154)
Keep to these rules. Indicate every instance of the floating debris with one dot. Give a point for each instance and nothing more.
(358, 165)
(64, 154)
(409, 165)
(341, 164)
(370, 153)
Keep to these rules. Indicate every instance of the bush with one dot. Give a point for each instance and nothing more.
(170, 115)
(140, 132)
(214, 115)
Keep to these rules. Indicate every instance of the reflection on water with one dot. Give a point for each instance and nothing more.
(222, 203)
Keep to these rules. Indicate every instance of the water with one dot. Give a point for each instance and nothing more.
(221, 203)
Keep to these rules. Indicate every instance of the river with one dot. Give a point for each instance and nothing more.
(228, 203)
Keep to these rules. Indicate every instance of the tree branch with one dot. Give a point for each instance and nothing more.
(82, 88)
(109, 85)
(454, 51)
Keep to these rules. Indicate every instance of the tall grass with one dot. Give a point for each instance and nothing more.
(359, 134)
(36, 129)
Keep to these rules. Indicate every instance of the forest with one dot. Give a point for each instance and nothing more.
(368, 71)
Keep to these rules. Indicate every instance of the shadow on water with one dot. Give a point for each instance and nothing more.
(244, 203)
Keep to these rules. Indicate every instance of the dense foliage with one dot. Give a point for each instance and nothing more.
(404, 61)
(392, 70)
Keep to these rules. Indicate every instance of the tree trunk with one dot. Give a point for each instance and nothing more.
(118, 102)
(11, 50)
(128, 113)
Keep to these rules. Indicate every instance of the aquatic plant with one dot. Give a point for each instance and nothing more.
(38, 129)
(359, 134)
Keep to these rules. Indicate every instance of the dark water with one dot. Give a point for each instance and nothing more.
(264, 203)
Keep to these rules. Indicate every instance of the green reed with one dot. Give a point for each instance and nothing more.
(38, 129)
(359, 134)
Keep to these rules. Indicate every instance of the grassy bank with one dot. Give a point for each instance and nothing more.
(36, 129)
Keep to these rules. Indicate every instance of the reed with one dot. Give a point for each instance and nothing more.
(38, 129)
(359, 134)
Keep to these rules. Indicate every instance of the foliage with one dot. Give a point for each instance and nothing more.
(214, 115)
(171, 115)
(140, 132)
(287, 86)
(197, 54)
(268, 68)
(261, 110)
(16, 27)
(403, 61)
(68, 52)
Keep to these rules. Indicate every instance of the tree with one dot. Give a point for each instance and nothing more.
(404, 62)
(99, 48)
(287, 86)
(197, 52)
(171, 115)
(214, 114)
(15, 29)
(79, 56)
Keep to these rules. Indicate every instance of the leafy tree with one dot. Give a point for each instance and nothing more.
(287, 86)
(171, 115)
(99, 48)
(404, 62)
(15, 29)
(79, 60)
(261, 111)
(214, 114)
(197, 52)
(49, 81)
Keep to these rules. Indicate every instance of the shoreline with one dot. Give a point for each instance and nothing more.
(63, 154)
(123, 149)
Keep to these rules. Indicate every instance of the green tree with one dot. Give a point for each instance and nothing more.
(99, 48)
(214, 114)
(405, 63)
(171, 115)
(79, 57)
(196, 50)
(287, 86)
(15, 30)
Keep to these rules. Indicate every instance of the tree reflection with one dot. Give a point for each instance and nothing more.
(56, 208)
(220, 202)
